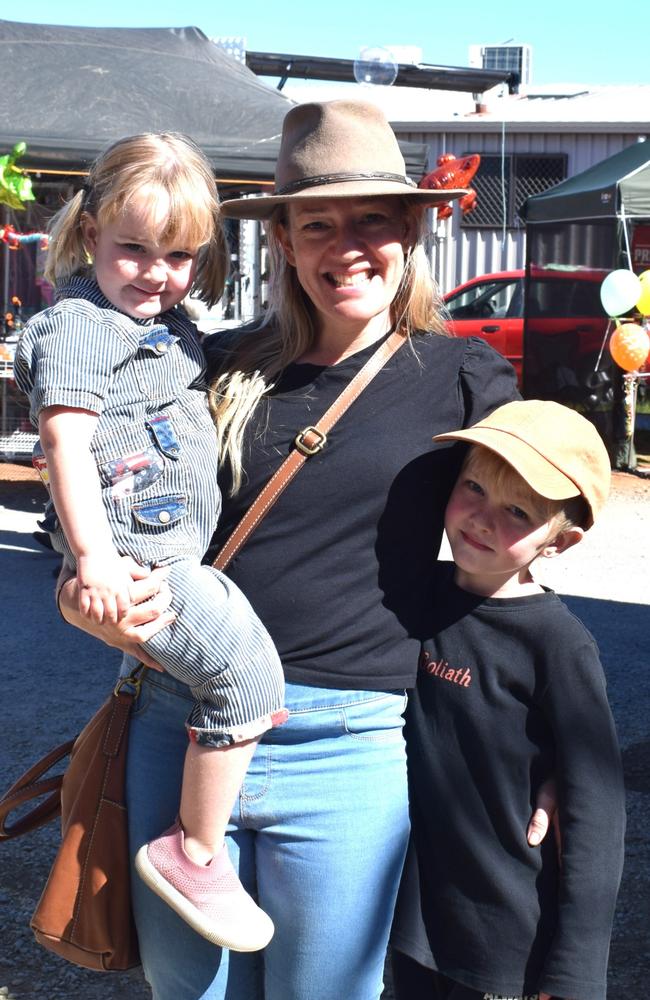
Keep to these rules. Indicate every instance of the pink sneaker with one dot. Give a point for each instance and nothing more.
(210, 898)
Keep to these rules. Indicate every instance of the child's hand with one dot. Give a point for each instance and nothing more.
(104, 587)
(150, 611)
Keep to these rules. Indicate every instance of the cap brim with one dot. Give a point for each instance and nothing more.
(536, 470)
(262, 206)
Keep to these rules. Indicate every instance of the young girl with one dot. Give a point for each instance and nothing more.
(115, 375)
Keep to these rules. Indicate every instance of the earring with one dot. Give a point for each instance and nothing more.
(88, 258)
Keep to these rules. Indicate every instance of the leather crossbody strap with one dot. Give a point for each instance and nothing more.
(308, 442)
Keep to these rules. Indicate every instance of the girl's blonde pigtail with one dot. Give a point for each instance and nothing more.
(66, 253)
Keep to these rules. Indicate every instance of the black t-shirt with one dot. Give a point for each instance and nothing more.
(509, 691)
(336, 568)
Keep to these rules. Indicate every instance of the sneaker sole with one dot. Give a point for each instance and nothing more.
(189, 913)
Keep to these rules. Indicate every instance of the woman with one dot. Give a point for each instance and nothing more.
(337, 571)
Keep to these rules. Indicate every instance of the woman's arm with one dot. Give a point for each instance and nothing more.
(148, 614)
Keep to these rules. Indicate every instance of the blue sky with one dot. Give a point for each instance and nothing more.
(573, 42)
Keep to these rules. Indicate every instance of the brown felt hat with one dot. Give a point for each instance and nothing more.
(553, 448)
(336, 149)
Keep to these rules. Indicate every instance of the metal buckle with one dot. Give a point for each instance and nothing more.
(306, 449)
(133, 681)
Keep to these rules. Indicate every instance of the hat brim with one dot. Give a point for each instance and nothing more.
(263, 206)
(540, 474)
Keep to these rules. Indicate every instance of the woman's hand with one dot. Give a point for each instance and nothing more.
(148, 614)
(544, 815)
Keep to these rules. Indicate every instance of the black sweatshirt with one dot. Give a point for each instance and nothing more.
(509, 691)
(335, 569)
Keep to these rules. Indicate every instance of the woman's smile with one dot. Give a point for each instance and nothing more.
(346, 279)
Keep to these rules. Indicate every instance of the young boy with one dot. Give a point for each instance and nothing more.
(510, 690)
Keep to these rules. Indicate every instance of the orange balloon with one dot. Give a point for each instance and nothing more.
(629, 346)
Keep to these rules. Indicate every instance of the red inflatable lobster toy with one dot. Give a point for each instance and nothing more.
(453, 173)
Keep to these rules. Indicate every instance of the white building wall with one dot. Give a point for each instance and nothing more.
(459, 253)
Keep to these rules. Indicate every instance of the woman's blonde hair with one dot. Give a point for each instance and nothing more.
(289, 329)
(156, 166)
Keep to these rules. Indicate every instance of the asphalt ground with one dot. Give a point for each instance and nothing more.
(53, 678)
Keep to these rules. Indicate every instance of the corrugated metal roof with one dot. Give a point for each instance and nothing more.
(571, 106)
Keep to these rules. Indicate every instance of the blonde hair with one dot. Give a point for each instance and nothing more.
(561, 514)
(289, 329)
(150, 166)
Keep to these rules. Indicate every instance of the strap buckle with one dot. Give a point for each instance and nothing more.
(310, 448)
(133, 681)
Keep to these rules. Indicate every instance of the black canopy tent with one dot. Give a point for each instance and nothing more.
(585, 226)
(615, 187)
(73, 90)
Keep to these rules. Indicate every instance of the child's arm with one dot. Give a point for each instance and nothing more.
(103, 579)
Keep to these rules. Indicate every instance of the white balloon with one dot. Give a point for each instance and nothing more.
(619, 292)
(375, 65)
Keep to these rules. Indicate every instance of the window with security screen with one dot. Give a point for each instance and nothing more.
(503, 186)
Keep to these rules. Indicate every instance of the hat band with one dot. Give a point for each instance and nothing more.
(308, 182)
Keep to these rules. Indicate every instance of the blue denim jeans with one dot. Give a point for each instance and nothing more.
(318, 835)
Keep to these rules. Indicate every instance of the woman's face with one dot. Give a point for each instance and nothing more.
(349, 257)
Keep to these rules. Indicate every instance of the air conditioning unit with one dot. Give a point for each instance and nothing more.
(510, 56)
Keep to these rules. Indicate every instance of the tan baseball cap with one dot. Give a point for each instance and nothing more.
(558, 452)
